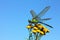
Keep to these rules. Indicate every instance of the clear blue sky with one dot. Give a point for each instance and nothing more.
(14, 15)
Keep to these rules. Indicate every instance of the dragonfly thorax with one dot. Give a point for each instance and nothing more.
(34, 20)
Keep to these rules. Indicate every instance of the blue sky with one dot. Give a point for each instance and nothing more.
(14, 15)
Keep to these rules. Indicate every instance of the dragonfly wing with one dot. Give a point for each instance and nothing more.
(43, 20)
(43, 11)
(46, 19)
(33, 13)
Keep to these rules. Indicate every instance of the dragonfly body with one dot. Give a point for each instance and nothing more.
(33, 21)
(37, 18)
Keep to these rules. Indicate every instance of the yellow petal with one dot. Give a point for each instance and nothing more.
(35, 28)
(34, 31)
(28, 27)
(41, 32)
(45, 30)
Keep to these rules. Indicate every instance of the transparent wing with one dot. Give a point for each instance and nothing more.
(43, 20)
(43, 11)
(46, 19)
(33, 13)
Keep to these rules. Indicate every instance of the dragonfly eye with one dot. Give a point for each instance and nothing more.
(29, 21)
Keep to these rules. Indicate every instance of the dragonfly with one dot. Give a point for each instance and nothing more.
(37, 18)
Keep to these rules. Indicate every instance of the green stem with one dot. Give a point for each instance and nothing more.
(30, 34)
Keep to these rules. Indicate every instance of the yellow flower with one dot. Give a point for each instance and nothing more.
(40, 26)
(45, 30)
(34, 31)
(29, 27)
(35, 28)
(41, 32)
